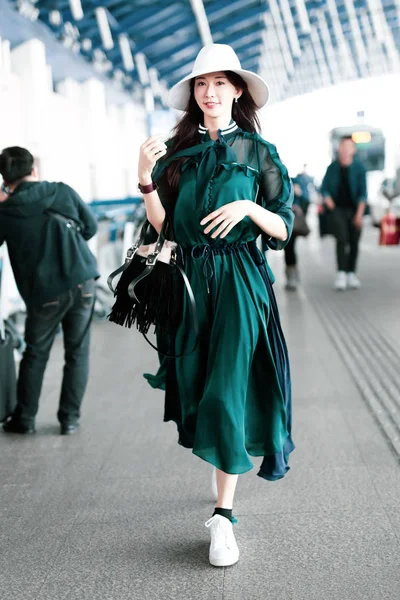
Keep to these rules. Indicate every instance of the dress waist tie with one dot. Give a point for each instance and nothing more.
(207, 253)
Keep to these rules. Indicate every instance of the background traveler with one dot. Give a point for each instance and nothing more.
(300, 228)
(344, 191)
(45, 226)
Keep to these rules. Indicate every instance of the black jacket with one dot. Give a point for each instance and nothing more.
(357, 180)
(37, 243)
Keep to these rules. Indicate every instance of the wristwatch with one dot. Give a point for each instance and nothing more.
(147, 189)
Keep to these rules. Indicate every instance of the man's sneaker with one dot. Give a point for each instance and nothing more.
(353, 282)
(69, 428)
(292, 278)
(214, 487)
(341, 281)
(224, 551)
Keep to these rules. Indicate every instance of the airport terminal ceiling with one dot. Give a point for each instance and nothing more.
(297, 45)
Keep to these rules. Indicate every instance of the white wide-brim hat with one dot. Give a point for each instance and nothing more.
(212, 59)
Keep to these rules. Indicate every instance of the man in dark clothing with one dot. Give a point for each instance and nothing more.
(307, 187)
(344, 189)
(45, 226)
(292, 274)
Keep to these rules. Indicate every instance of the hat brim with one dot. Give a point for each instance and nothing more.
(179, 94)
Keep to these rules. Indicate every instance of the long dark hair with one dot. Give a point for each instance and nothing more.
(185, 134)
(15, 164)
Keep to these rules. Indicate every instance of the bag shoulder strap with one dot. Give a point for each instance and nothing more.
(151, 259)
(130, 253)
(70, 223)
(193, 309)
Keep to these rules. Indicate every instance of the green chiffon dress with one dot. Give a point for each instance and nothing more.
(229, 398)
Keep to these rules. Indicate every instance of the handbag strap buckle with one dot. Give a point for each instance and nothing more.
(130, 253)
(151, 259)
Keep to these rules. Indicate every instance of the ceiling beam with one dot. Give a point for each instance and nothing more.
(202, 21)
(169, 28)
(175, 55)
(146, 17)
(241, 22)
(219, 11)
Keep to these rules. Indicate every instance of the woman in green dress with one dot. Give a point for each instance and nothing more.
(223, 185)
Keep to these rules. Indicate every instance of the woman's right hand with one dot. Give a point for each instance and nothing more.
(152, 149)
(329, 203)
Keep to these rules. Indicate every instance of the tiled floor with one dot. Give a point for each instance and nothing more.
(117, 511)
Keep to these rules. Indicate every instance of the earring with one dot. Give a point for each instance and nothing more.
(236, 100)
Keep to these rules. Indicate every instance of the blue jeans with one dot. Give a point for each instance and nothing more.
(73, 311)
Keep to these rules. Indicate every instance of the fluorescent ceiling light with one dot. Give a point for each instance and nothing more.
(303, 16)
(355, 29)
(202, 21)
(104, 28)
(290, 28)
(87, 44)
(155, 84)
(280, 32)
(126, 53)
(55, 17)
(142, 69)
(76, 9)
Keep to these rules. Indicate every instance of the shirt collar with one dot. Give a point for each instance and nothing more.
(232, 128)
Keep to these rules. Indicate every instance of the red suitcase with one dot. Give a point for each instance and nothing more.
(390, 230)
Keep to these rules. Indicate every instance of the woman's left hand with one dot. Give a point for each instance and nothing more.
(226, 217)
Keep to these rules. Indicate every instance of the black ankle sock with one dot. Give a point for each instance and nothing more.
(224, 512)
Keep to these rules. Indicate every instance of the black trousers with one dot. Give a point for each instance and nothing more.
(347, 238)
(290, 248)
(290, 252)
(73, 311)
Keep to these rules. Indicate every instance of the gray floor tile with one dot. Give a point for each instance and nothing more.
(166, 587)
(323, 437)
(322, 489)
(295, 556)
(393, 514)
(144, 555)
(29, 549)
(14, 590)
(386, 480)
(370, 583)
(142, 497)
(117, 511)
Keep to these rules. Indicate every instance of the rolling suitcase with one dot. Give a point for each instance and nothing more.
(8, 386)
(390, 231)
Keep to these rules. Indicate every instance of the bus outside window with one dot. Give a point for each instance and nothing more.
(369, 141)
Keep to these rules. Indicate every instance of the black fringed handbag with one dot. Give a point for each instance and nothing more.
(152, 286)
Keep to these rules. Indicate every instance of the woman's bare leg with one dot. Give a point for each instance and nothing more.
(226, 484)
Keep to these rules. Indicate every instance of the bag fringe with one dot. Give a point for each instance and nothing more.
(160, 297)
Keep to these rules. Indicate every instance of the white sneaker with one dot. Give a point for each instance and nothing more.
(340, 281)
(353, 282)
(292, 278)
(214, 487)
(224, 551)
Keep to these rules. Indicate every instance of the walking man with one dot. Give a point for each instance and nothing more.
(307, 188)
(344, 191)
(45, 226)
